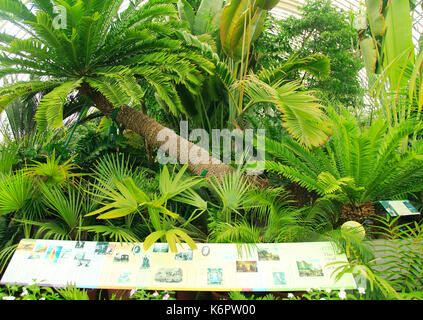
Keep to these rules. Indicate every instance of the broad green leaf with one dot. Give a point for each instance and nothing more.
(171, 240)
(205, 14)
(267, 4)
(186, 12)
(115, 213)
(152, 238)
(375, 16)
(369, 53)
(230, 18)
(398, 45)
(186, 238)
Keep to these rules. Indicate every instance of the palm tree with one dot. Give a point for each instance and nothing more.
(229, 31)
(106, 55)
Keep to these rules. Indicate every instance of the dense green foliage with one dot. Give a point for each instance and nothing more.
(70, 171)
(362, 164)
(321, 28)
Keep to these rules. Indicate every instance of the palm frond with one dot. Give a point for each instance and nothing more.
(16, 190)
(113, 233)
(303, 117)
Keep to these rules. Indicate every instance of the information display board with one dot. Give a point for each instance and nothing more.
(399, 208)
(211, 267)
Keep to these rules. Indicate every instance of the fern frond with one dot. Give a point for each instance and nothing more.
(291, 173)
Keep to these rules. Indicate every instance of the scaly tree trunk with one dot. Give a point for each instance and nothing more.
(149, 129)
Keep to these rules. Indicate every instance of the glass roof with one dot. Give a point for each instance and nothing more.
(286, 8)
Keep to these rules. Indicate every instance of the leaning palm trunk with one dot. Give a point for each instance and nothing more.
(151, 131)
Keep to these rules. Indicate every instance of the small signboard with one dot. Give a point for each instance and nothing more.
(399, 208)
(210, 267)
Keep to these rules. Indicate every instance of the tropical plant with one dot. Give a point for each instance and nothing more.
(21, 117)
(328, 294)
(31, 292)
(320, 27)
(394, 272)
(400, 252)
(358, 165)
(205, 19)
(70, 292)
(49, 200)
(148, 295)
(238, 296)
(240, 212)
(108, 169)
(125, 199)
(105, 58)
(65, 210)
(34, 194)
(389, 44)
(302, 115)
(52, 172)
(35, 145)
(393, 62)
(223, 102)
(37, 292)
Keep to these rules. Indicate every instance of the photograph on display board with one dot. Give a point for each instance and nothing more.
(110, 248)
(214, 276)
(161, 247)
(246, 266)
(205, 251)
(124, 277)
(66, 254)
(38, 252)
(279, 278)
(120, 257)
(26, 245)
(136, 250)
(184, 256)
(53, 253)
(268, 254)
(169, 275)
(82, 259)
(146, 262)
(310, 268)
(101, 248)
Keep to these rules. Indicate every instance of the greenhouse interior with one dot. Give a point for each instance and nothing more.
(211, 150)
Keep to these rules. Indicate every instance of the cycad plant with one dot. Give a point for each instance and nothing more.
(357, 165)
(102, 55)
